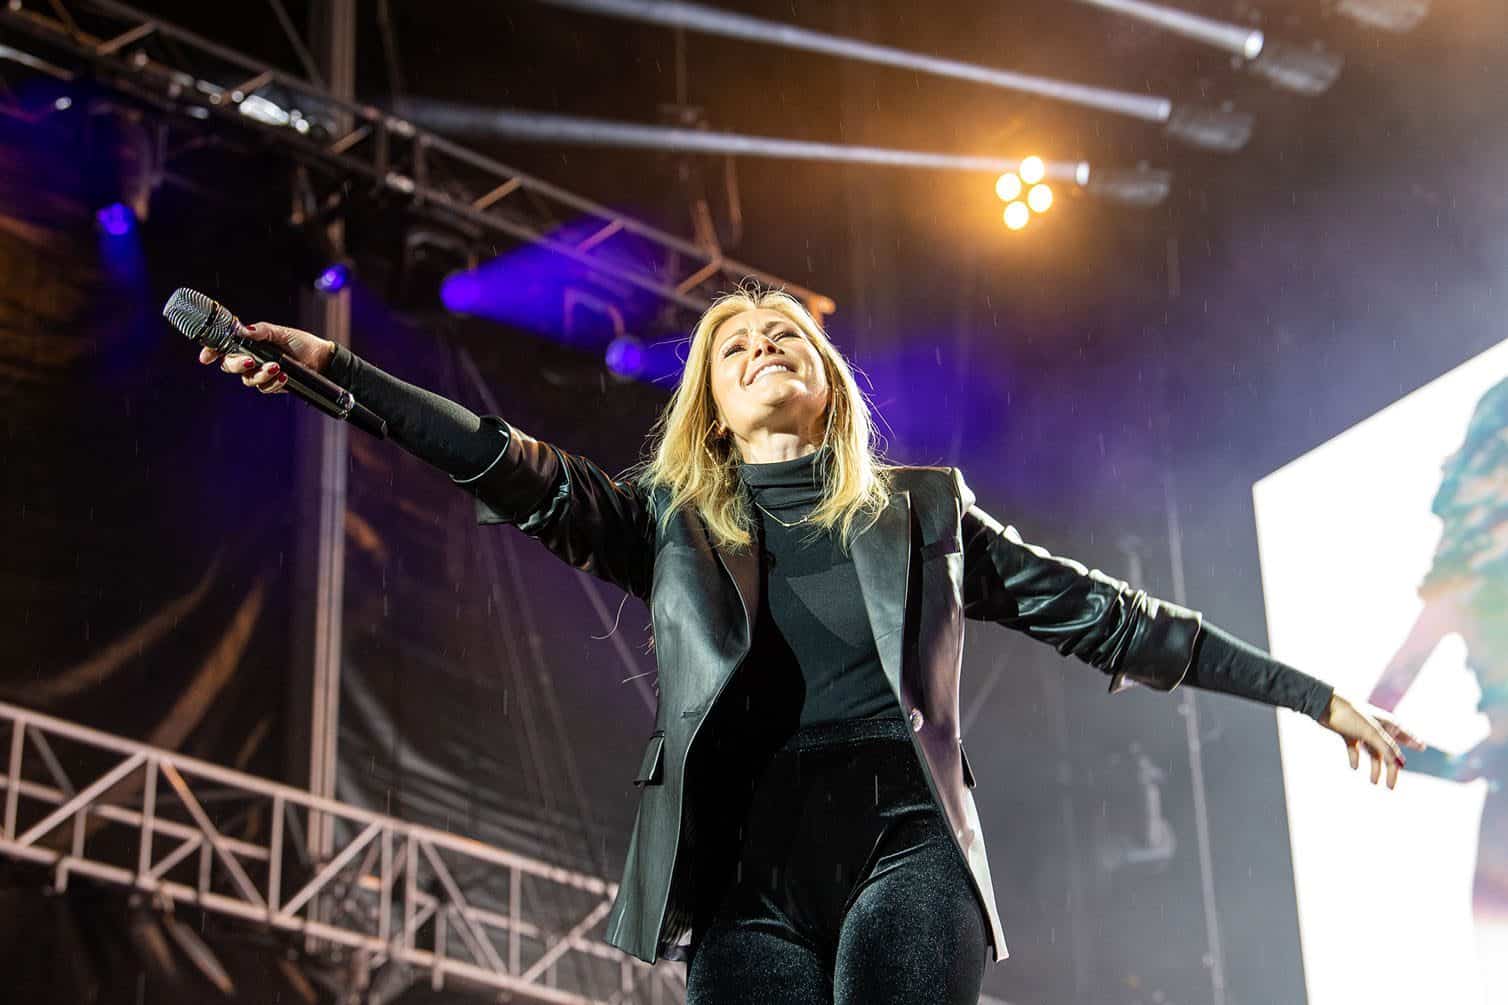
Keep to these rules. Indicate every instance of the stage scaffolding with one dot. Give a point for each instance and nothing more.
(78, 801)
(178, 71)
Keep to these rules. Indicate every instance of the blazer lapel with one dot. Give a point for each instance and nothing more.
(882, 561)
(743, 568)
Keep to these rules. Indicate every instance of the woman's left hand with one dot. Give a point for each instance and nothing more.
(1373, 729)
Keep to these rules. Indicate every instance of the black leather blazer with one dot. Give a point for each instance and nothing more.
(931, 559)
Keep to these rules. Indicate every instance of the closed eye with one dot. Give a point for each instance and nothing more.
(738, 346)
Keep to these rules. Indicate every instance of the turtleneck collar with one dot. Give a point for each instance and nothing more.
(785, 485)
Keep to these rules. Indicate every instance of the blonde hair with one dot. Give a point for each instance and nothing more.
(700, 469)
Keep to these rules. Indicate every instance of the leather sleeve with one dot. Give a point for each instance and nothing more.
(597, 523)
(1081, 612)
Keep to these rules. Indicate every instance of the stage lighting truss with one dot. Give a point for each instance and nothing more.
(179, 72)
(449, 907)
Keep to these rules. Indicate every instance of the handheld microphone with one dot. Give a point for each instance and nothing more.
(207, 322)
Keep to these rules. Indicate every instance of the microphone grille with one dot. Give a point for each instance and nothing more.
(200, 318)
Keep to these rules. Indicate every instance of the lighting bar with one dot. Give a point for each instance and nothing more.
(1232, 134)
(539, 127)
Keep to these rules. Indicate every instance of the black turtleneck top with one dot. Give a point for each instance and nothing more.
(813, 653)
(813, 633)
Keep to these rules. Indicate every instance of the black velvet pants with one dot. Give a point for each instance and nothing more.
(832, 879)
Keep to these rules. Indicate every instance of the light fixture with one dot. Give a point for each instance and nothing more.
(1293, 68)
(1017, 215)
(1008, 186)
(116, 219)
(1033, 170)
(1039, 198)
(625, 356)
(1223, 129)
(1296, 68)
(1388, 15)
(630, 358)
(335, 277)
(1140, 186)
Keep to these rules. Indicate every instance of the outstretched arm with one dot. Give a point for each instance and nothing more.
(433, 428)
(1130, 635)
(597, 523)
(1223, 662)
(1081, 612)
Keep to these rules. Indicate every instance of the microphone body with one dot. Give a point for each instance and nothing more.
(207, 322)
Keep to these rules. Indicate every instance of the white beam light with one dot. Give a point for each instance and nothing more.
(1210, 128)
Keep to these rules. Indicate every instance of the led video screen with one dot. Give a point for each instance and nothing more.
(1384, 561)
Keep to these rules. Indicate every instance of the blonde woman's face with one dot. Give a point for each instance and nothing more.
(767, 376)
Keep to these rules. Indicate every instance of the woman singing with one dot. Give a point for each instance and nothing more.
(806, 818)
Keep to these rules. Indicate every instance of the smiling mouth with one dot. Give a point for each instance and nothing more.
(770, 368)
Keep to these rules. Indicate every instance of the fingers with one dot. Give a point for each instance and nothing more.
(1402, 735)
(1385, 763)
(1385, 742)
(236, 362)
(1380, 736)
(269, 378)
(1385, 757)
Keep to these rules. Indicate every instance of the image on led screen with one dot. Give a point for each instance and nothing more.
(1384, 556)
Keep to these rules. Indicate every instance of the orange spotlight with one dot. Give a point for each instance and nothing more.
(1016, 215)
(1039, 198)
(1032, 170)
(1008, 186)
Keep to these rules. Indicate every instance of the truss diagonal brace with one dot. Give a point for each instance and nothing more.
(174, 69)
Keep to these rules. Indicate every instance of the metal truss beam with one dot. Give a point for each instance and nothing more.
(141, 819)
(180, 71)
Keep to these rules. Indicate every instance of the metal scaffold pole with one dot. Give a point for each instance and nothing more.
(330, 316)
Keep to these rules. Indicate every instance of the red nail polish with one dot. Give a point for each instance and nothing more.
(251, 328)
(248, 364)
(273, 368)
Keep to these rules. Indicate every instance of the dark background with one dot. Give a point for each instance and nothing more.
(1082, 373)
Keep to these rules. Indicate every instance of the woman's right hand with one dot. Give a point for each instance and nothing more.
(310, 350)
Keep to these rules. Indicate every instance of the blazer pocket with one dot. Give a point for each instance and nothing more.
(968, 771)
(942, 546)
(652, 764)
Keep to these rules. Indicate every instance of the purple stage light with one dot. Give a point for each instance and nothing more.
(553, 296)
(625, 356)
(333, 279)
(116, 219)
(657, 363)
(461, 292)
